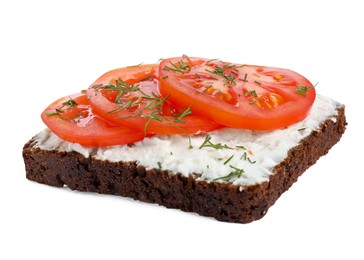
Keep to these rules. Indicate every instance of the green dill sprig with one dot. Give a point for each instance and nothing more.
(246, 158)
(183, 67)
(257, 82)
(207, 143)
(184, 56)
(120, 86)
(159, 165)
(252, 162)
(211, 60)
(251, 92)
(245, 76)
(124, 88)
(229, 65)
(69, 103)
(55, 112)
(178, 117)
(303, 89)
(228, 160)
(155, 101)
(58, 111)
(236, 173)
(221, 72)
(152, 116)
(125, 106)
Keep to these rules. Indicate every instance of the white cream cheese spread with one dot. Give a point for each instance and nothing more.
(248, 157)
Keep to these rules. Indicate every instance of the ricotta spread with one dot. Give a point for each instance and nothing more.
(253, 154)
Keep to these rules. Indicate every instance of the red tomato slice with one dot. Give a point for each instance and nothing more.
(130, 96)
(236, 95)
(71, 119)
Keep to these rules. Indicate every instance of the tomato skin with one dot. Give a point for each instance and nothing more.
(281, 106)
(138, 116)
(130, 75)
(78, 124)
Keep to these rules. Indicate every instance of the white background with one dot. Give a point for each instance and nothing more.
(49, 50)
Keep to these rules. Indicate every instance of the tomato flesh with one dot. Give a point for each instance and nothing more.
(237, 95)
(72, 119)
(130, 97)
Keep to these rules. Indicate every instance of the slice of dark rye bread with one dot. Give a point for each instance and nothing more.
(221, 200)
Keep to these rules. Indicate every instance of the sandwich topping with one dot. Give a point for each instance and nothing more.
(183, 95)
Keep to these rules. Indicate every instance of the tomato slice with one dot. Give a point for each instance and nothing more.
(237, 95)
(129, 96)
(71, 119)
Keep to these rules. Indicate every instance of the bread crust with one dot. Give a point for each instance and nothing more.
(223, 201)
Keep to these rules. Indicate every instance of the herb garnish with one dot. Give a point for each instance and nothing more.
(228, 160)
(121, 86)
(143, 105)
(236, 173)
(252, 162)
(244, 79)
(246, 75)
(303, 89)
(182, 114)
(183, 67)
(207, 143)
(207, 62)
(155, 101)
(251, 92)
(229, 66)
(221, 72)
(186, 57)
(55, 112)
(69, 103)
(245, 157)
